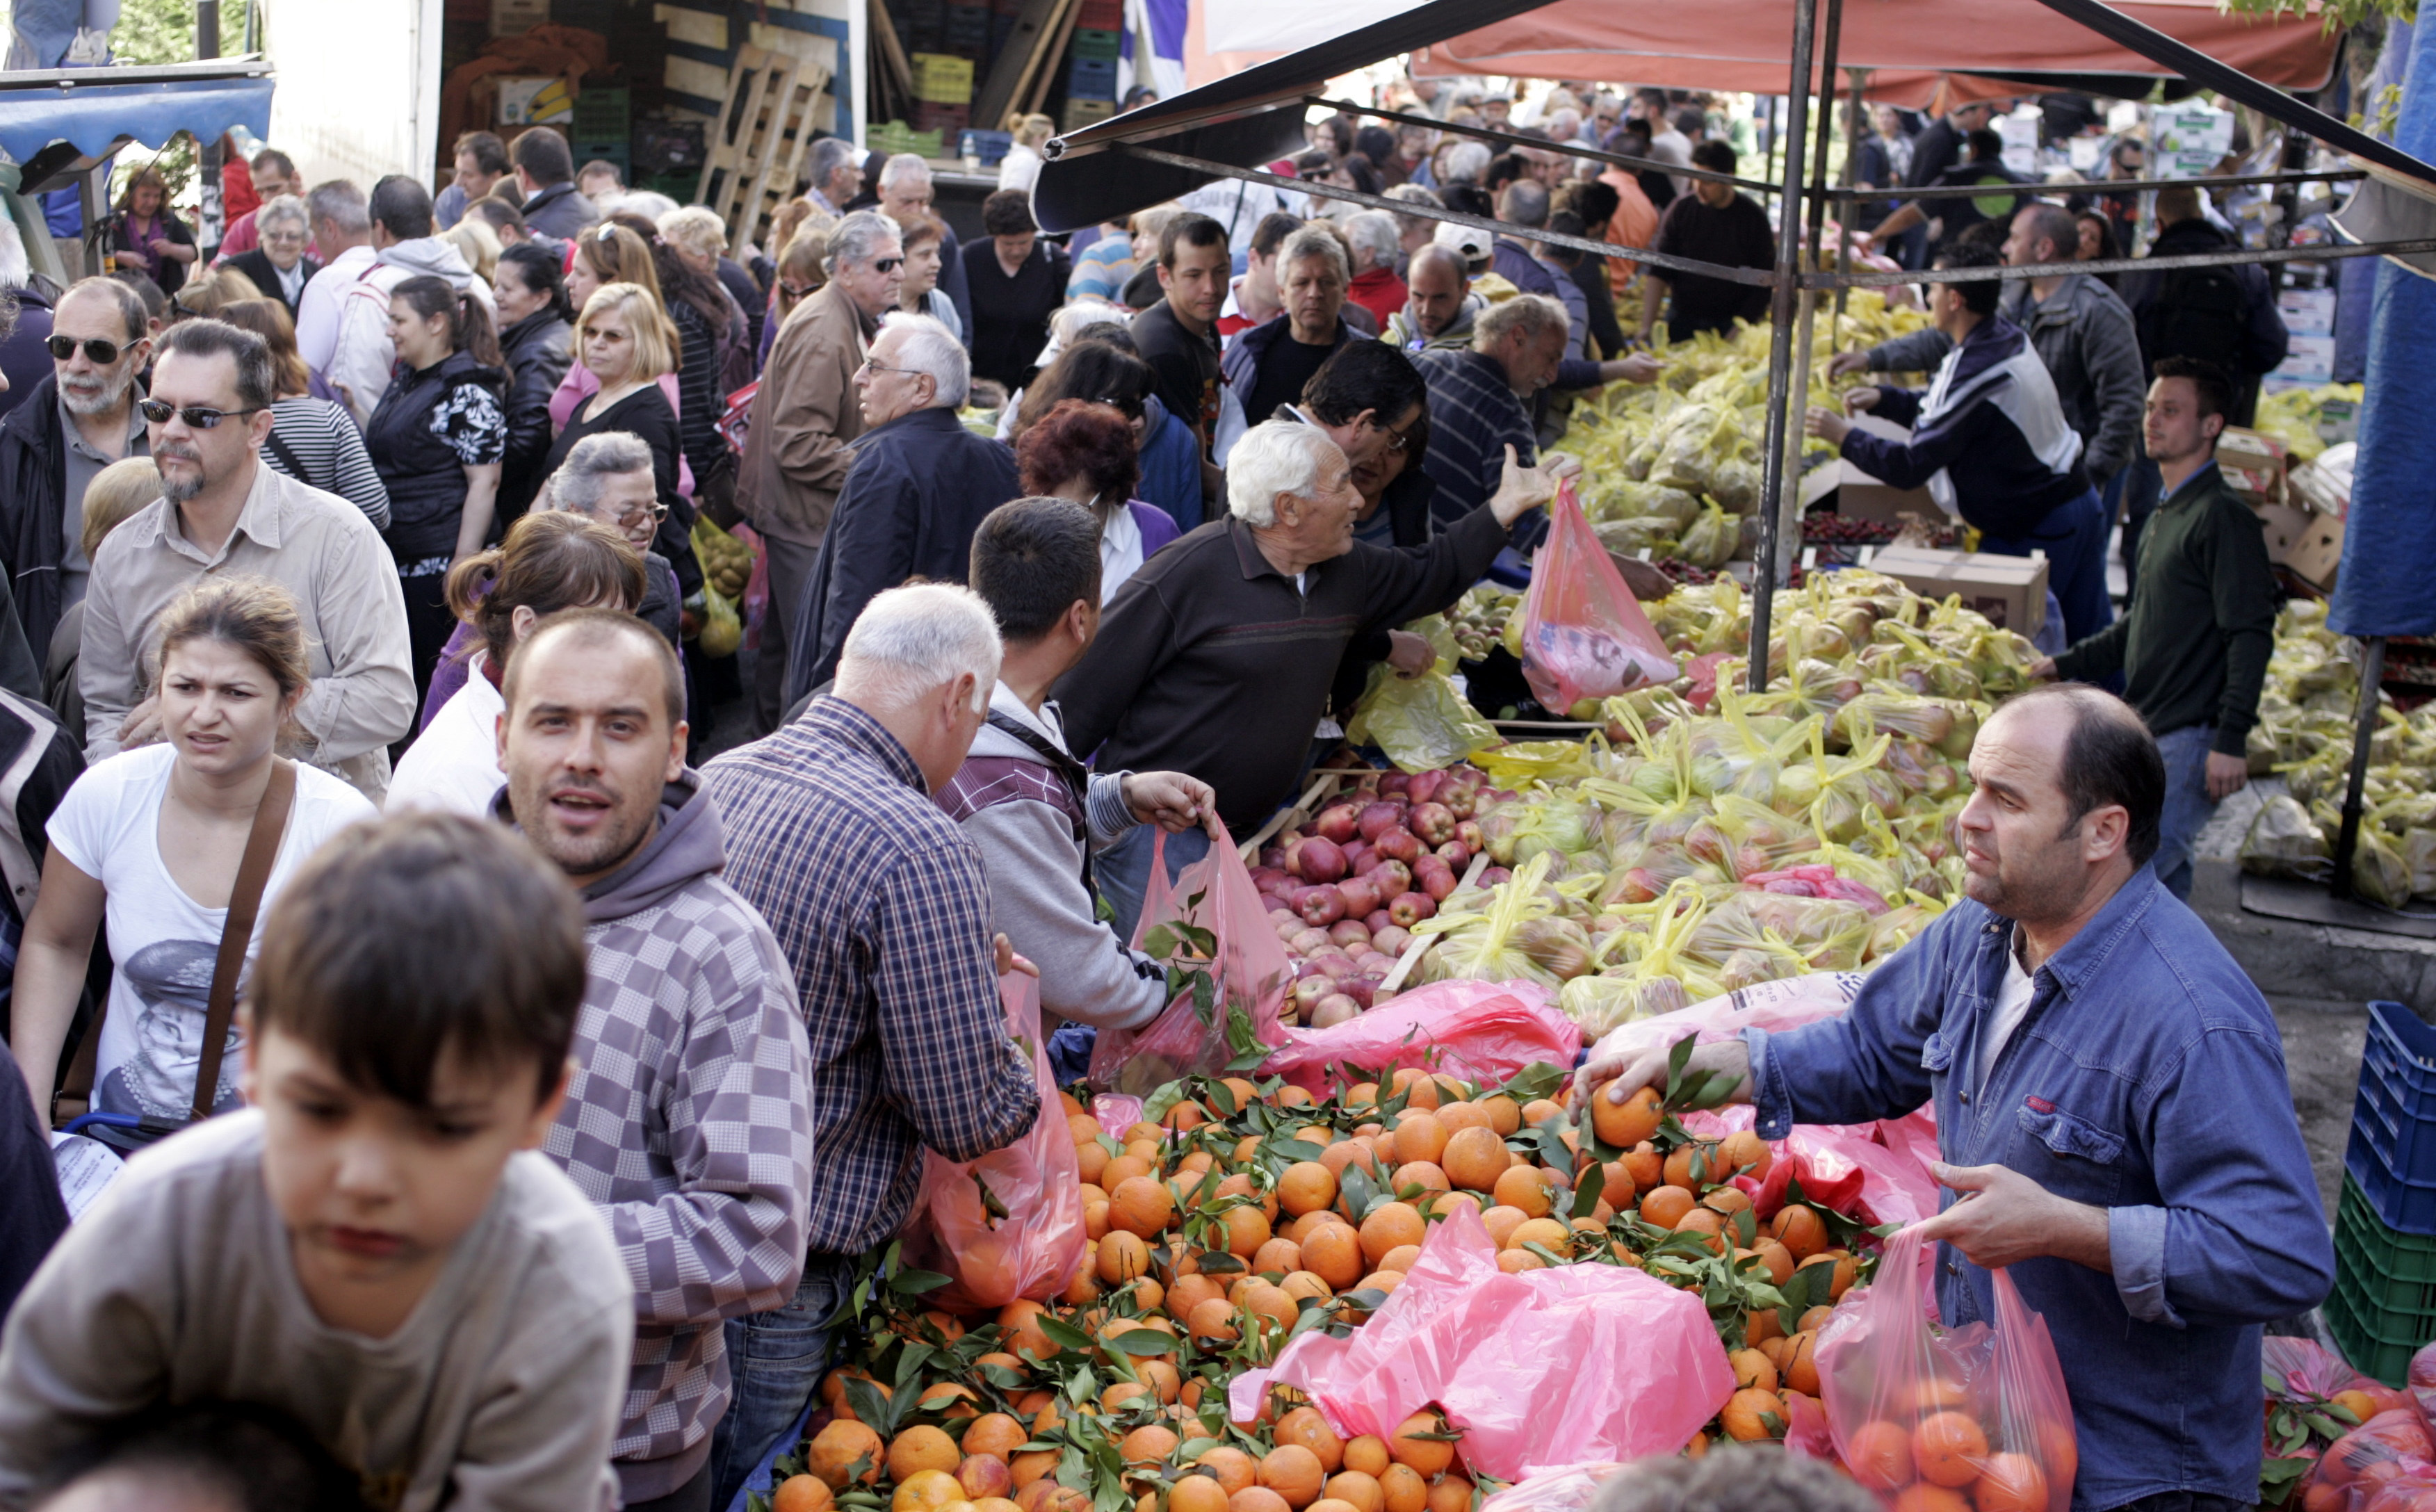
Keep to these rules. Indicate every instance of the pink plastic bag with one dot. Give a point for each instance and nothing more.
(1032, 1245)
(1843, 1168)
(1554, 1488)
(1785, 1003)
(1476, 1030)
(1556, 1367)
(1979, 1412)
(1583, 634)
(1211, 913)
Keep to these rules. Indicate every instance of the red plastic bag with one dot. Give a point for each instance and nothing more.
(1583, 634)
(2421, 1382)
(1482, 1032)
(1558, 1366)
(1840, 1167)
(1009, 1224)
(1979, 1412)
(2389, 1453)
(1212, 920)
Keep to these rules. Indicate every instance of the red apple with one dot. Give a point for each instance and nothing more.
(1361, 896)
(1377, 819)
(1494, 875)
(1471, 836)
(1307, 939)
(1287, 930)
(1334, 1009)
(1376, 920)
(1335, 963)
(1359, 858)
(1274, 856)
(1269, 879)
(1311, 989)
(1349, 933)
(1391, 940)
(1425, 786)
(1363, 989)
(1320, 906)
(1437, 882)
(1411, 908)
(1393, 782)
(1434, 822)
(1320, 861)
(1456, 854)
(1460, 801)
(1392, 876)
(1337, 822)
(1400, 844)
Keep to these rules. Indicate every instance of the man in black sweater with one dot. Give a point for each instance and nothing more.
(1215, 658)
(2194, 647)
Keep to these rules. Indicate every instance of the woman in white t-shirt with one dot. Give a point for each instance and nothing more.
(151, 838)
(551, 561)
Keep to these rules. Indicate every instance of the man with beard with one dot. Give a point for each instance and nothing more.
(688, 1116)
(223, 512)
(2112, 1106)
(76, 423)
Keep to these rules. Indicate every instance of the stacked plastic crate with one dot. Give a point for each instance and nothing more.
(943, 83)
(2384, 1304)
(1091, 71)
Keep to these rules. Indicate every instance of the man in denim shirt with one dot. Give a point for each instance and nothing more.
(2111, 1103)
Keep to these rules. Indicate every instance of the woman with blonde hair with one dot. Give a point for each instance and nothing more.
(117, 492)
(205, 295)
(628, 346)
(313, 439)
(604, 254)
(151, 838)
(549, 562)
(478, 243)
(1020, 168)
(803, 272)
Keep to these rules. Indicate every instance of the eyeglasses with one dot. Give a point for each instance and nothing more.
(629, 518)
(796, 290)
(886, 265)
(870, 366)
(1397, 440)
(198, 416)
(63, 347)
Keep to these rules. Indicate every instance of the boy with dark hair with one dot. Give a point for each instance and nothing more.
(1025, 802)
(376, 1246)
(2193, 646)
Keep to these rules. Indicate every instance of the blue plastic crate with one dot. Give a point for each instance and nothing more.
(1092, 79)
(989, 146)
(2392, 1151)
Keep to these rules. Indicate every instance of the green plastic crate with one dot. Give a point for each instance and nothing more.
(1104, 46)
(2394, 1255)
(603, 112)
(2377, 1342)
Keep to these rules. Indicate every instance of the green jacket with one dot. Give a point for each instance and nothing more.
(2194, 648)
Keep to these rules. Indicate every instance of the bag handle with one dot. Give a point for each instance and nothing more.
(245, 902)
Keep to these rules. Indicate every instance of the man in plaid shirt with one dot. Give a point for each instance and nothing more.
(688, 1116)
(883, 910)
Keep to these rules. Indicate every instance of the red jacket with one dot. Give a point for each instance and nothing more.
(1380, 291)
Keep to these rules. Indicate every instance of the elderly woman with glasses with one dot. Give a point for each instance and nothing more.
(278, 267)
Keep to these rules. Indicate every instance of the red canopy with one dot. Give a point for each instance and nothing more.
(1741, 44)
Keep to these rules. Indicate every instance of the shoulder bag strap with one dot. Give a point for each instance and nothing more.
(294, 465)
(245, 902)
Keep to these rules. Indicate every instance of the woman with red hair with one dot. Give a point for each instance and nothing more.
(1084, 451)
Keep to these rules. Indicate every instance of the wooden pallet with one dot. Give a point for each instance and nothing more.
(776, 103)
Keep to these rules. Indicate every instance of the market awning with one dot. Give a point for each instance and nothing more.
(55, 117)
(1257, 114)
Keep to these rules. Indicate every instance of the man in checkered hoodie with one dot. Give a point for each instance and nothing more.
(688, 1114)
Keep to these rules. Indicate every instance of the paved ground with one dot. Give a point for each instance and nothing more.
(2322, 1051)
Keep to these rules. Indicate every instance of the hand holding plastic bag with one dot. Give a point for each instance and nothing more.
(1421, 723)
(1226, 967)
(1009, 1224)
(1977, 1411)
(1584, 636)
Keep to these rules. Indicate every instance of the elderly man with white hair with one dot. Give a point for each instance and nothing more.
(1216, 658)
(906, 195)
(805, 420)
(882, 909)
(919, 487)
(1378, 241)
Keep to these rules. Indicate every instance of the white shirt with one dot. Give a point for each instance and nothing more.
(453, 766)
(2012, 1006)
(164, 943)
(317, 308)
(1121, 553)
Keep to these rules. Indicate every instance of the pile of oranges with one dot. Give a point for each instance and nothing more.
(1936, 1458)
(1236, 1215)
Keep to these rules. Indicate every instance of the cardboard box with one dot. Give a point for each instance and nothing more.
(2325, 486)
(2308, 361)
(2286, 528)
(2307, 311)
(2319, 554)
(2011, 591)
(1858, 496)
(2252, 464)
(534, 99)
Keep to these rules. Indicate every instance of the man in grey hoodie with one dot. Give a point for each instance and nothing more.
(1026, 802)
(404, 246)
(688, 1116)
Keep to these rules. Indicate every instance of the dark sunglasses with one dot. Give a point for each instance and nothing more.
(159, 411)
(63, 347)
(887, 265)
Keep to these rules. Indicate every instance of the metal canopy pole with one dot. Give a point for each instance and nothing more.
(1789, 507)
(2363, 729)
(1780, 344)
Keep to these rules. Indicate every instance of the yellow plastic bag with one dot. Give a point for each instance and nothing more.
(1421, 723)
(723, 628)
(725, 561)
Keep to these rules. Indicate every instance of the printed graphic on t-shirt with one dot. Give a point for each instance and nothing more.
(172, 979)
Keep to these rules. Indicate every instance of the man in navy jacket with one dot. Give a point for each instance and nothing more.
(918, 489)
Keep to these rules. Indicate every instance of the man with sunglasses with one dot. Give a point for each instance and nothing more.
(224, 512)
(76, 422)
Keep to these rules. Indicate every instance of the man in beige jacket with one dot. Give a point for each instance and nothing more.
(804, 421)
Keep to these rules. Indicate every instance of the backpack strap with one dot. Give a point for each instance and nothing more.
(245, 902)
